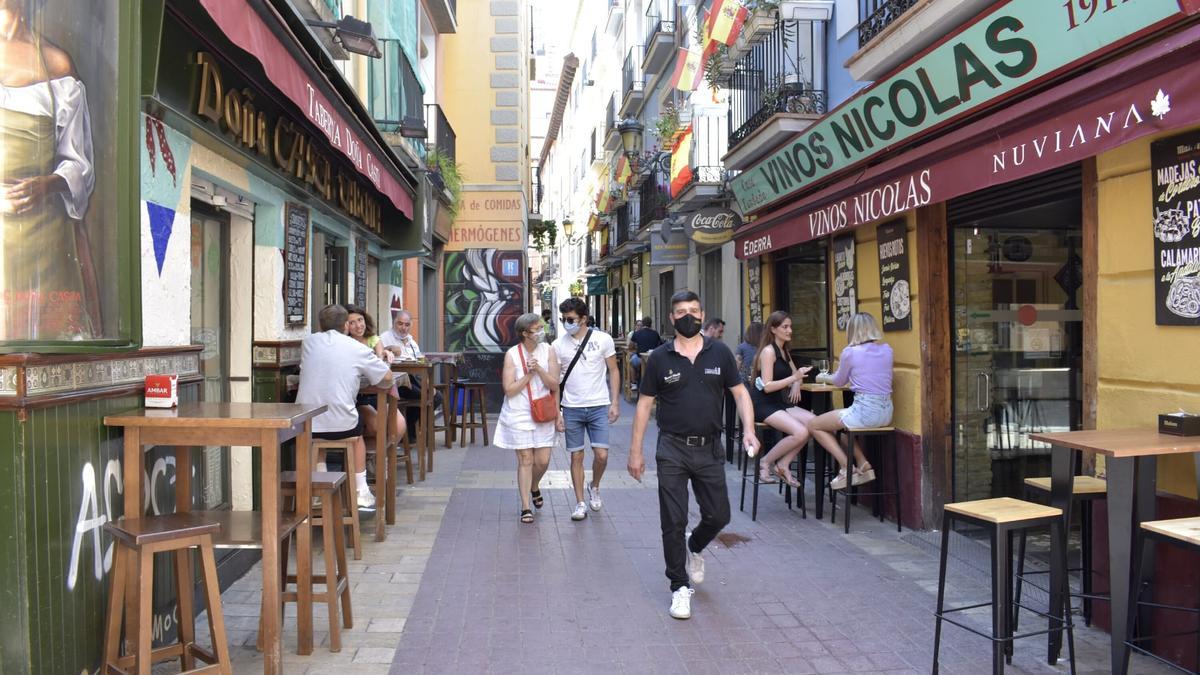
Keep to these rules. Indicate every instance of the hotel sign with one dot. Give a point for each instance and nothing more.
(1018, 43)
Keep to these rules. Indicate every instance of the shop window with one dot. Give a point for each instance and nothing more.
(64, 275)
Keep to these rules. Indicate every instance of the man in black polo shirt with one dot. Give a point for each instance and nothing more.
(689, 376)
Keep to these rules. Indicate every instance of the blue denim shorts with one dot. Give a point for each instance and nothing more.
(868, 411)
(593, 420)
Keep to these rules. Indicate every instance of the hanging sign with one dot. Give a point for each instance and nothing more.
(894, 291)
(712, 225)
(1175, 184)
(597, 285)
(845, 282)
(669, 246)
(295, 263)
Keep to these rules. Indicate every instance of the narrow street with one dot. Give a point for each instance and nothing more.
(461, 586)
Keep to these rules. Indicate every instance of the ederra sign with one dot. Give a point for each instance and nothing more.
(1017, 43)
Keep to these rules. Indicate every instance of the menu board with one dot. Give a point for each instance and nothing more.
(1175, 179)
(295, 263)
(360, 272)
(845, 282)
(894, 291)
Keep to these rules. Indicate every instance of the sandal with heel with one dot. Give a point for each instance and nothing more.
(526, 516)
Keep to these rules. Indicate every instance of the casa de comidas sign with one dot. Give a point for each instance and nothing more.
(1014, 45)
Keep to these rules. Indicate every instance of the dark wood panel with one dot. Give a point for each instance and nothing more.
(933, 270)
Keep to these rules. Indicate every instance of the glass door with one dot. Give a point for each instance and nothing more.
(1018, 346)
(210, 328)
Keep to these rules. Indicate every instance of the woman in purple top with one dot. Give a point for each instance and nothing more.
(866, 364)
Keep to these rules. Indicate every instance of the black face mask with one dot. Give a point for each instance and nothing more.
(687, 326)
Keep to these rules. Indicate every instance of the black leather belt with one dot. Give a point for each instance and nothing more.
(692, 441)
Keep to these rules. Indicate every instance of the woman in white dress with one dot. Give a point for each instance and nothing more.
(530, 372)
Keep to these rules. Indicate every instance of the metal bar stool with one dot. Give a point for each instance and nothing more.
(1181, 532)
(1002, 518)
(764, 432)
(852, 490)
(140, 539)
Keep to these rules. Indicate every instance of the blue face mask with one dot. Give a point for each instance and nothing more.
(571, 327)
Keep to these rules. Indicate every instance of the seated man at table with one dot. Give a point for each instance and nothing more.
(399, 341)
(331, 366)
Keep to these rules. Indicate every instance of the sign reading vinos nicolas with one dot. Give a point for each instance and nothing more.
(1017, 43)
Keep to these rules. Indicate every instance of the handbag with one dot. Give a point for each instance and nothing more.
(578, 352)
(542, 408)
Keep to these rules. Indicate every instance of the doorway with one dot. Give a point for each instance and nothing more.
(1017, 329)
(210, 327)
(801, 280)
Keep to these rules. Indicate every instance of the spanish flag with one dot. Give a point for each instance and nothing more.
(725, 20)
(593, 223)
(681, 162)
(603, 199)
(624, 171)
(689, 70)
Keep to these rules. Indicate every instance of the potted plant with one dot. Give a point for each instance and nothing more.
(444, 173)
(761, 20)
(667, 123)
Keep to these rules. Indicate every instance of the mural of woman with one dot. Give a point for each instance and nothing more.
(46, 182)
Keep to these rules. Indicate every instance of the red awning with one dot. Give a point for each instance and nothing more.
(1065, 124)
(243, 25)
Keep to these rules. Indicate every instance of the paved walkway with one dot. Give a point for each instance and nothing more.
(461, 586)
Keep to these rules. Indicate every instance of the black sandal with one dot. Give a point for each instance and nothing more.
(526, 516)
(536, 495)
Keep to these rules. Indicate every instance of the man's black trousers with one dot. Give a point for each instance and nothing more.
(703, 465)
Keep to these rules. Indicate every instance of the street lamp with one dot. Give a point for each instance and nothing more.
(568, 227)
(356, 35)
(631, 136)
(643, 162)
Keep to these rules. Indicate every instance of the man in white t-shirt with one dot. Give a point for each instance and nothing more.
(588, 405)
(399, 341)
(332, 366)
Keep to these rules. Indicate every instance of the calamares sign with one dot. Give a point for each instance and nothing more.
(1019, 42)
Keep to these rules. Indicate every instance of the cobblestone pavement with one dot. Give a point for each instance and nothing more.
(461, 586)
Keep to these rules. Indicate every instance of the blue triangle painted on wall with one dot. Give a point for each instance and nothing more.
(162, 219)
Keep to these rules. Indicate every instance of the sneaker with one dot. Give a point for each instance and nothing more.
(593, 497)
(681, 603)
(366, 500)
(695, 563)
(839, 483)
(861, 477)
(580, 511)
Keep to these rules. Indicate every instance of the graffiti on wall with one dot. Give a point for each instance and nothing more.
(484, 296)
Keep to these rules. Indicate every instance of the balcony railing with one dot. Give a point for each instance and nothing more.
(440, 133)
(632, 79)
(877, 15)
(777, 76)
(627, 218)
(710, 140)
(394, 92)
(610, 115)
(660, 18)
(654, 198)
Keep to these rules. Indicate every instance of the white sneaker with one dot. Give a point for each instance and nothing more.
(695, 563)
(366, 500)
(580, 511)
(839, 483)
(593, 497)
(681, 603)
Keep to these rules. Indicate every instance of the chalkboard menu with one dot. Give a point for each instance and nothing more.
(1175, 178)
(894, 291)
(845, 282)
(360, 272)
(295, 263)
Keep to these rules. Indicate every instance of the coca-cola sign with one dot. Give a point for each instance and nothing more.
(713, 225)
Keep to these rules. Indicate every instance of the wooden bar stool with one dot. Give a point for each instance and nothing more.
(1001, 517)
(350, 488)
(449, 406)
(1084, 490)
(474, 398)
(766, 438)
(1181, 532)
(327, 490)
(140, 539)
(852, 490)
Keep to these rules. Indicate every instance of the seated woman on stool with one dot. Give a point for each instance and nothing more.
(775, 403)
(362, 328)
(866, 363)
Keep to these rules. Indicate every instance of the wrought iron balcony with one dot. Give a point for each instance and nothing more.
(633, 83)
(660, 35)
(778, 76)
(394, 92)
(440, 133)
(626, 220)
(654, 198)
(877, 15)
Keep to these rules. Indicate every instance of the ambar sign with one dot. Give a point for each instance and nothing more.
(1019, 42)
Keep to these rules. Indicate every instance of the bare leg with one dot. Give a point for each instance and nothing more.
(577, 474)
(524, 476)
(541, 462)
(795, 436)
(599, 464)
(823, 428)
(360, 454)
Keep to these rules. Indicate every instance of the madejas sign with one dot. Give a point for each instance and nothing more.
(1017, 43)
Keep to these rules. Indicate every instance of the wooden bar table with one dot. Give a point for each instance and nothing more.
(824, 394)
(385, 453)
(268, 426)
(1130, 463)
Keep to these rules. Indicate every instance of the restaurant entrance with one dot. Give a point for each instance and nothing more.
(800, 280)
(1017, 329)
(211, 328)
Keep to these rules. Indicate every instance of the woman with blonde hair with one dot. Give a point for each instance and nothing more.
(866, 364)
(530, 373)
(775, 403)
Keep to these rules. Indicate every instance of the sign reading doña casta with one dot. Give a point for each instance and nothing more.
(894, 291)
(712, 225)
(1175, 177)
(845, 283)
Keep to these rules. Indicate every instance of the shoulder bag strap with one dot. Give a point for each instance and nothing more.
(578, 352)
(529, 384)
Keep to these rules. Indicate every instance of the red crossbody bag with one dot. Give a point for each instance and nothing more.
(543, 408)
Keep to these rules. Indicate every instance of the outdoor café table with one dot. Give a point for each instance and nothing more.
(822, 395)
(385, 454)
(1130, 459)
(268, 426)
(423, 370)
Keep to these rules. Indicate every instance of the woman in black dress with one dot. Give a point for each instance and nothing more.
(775, 402)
